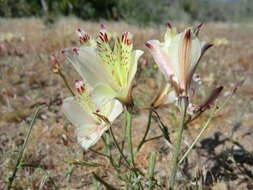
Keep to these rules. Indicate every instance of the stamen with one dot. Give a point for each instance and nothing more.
(103, 36)
(83, 36)
(80, 86)
(168, 24)
(75, 50)
(63, 52)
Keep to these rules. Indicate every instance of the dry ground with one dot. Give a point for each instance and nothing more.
(224, 153)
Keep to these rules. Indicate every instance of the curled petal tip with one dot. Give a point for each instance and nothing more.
(206, 47)
(63, 52)
(149, 45)
(209, 45)
(200, 25)
(188, 34)
(168, 24)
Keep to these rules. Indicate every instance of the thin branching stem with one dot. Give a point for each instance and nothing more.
(21, 153)
(215, 111)
(128, 116)
(154, 138)
(146, 132)
(66, 82)
(99, 153)
(184, 104)
(118, 147)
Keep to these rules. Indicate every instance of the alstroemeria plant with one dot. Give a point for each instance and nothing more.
(178, 57)
(90, 119)
(107, 63)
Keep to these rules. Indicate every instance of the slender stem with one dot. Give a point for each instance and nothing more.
(66, 82)
(119, 149)
(162, 127)
(151, 170)
(215, 111)
(184, 104)
(196, 140)
(154, 138)
(21, 153)
(146, 132)
(99, 153)
(107, 185)
(129, 135)
(128, 116)
(106, 140)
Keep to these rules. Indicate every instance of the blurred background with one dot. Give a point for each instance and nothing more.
(133, 11)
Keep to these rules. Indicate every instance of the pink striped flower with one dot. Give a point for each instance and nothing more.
(178, 57)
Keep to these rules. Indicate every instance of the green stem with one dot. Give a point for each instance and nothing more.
(103, 182)
(99, 153)
(146, 132)
(184, 104)
(128, 116)
(21, 153)
(196, 140)
(154, 138)
(119, 149)
(66, 82)
(215, 111)
(151, 170)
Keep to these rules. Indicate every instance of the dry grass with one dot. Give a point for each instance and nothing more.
(26, 80)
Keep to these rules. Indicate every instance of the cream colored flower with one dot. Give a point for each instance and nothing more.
(178, 57)
(90, 120)
(108, 65)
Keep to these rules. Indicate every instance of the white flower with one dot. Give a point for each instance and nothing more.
(108, 68)
(178, 57)
(90, 120)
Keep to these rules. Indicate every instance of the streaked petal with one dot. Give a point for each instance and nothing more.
(76, 113)
(88, 135)
(162, 59)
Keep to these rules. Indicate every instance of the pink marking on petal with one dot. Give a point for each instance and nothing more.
(168, 24)
(80, 86)
(63, 52)
(103, 27)
(187, 34)
(75, 50)
(149, 45)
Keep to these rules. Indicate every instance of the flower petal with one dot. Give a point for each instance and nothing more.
(88, 130)
(161, 57)
(133, 68)
(102, 94)
(117, 109)
(76, 113)
(88, 135)
(88, 64)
